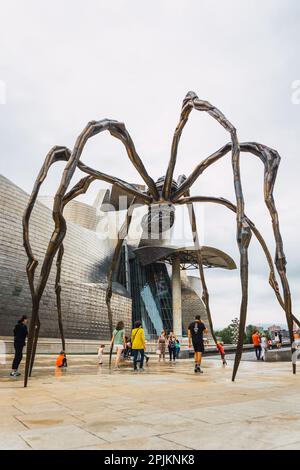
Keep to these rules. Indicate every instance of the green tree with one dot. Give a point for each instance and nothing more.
(249, 332)
(225, 335)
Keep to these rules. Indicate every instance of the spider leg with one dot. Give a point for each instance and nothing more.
(127, 187)
(92, 128)
(243, 230)
(246, 237)
(59, 258)
(111, 270)
(34, 344)
(119, 131)
(271, 160)
(191, 101)
(56, 154)
(80, 188)
(203, 165)
(233, 208)
(205, 293)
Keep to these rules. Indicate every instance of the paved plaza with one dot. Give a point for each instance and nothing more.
(165, 407)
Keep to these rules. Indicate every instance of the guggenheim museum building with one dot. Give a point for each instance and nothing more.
(152, 282)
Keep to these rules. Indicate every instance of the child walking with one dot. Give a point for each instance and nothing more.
(222, 352)
(100, 353)
(61, 360)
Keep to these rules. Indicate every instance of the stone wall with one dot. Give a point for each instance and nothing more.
(83, 276)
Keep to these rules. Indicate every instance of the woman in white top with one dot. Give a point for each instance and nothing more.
(264, 346)
(118, 342)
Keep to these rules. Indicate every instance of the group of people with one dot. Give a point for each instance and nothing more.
(20, 335)
(135, 345)
(262, 343)
(125, 347)
(170, 342)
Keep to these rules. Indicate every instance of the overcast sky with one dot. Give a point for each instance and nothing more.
(64, 63)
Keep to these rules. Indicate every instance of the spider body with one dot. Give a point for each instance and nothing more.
(161, 197)
(159, 219)
(160, 186)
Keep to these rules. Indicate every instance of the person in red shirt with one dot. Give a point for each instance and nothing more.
(222, 352)
(256, 342)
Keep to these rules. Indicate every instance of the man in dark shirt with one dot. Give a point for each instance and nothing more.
(20, 334)
(195, 333)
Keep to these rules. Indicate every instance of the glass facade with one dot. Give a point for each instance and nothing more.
(150, 289)
(151, 297)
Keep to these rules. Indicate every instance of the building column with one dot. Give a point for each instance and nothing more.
(176, 297)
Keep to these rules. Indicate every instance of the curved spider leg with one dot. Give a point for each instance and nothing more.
(203, 165)
(127, 187)
(184, 115)
(271, 160)
(59, 258)
(57, 153)
(118, 130)
(91, 129)
(246, 241)
(243, 230)
(191, 101)
(272, 278)
(123, 232)
(80, 188)
(205, 293)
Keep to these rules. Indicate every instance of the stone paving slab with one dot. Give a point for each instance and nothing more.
(145, 443)
(59, 437)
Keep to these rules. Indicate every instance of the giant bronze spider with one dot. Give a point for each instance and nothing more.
(161, 197)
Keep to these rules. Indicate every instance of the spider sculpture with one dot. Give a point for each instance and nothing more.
(161, 197)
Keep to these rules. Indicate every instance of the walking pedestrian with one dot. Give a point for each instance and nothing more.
(118, 342)
(222, 352)
(256, 343)
(161, 345)
(195, 334)
(172, 346)
(20, 335)
(264, 346)
(127, 351)
(177, 348)
(277, 340)
(138, 344)
(280, 339)
(100, 354)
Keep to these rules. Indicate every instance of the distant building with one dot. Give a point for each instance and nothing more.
(274, 328)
